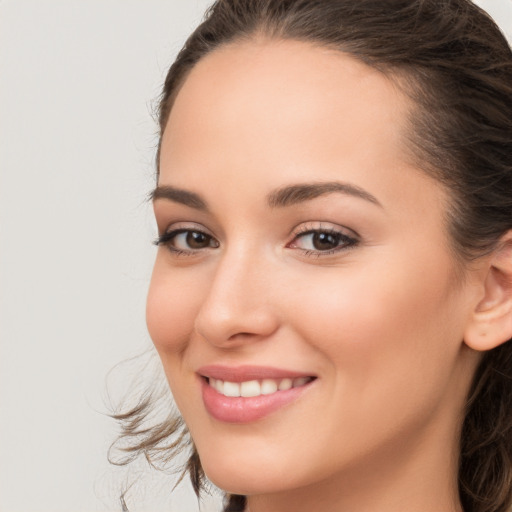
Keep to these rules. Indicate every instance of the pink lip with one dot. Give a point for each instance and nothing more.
(247, 409)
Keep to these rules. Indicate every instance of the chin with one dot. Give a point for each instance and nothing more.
(235, 476)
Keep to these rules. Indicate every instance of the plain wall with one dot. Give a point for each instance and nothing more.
(77, 80)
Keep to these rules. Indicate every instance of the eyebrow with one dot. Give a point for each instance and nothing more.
(179, 195)
(280, 198)
(294, 194)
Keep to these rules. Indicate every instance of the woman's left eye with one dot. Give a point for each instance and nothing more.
(322, 241)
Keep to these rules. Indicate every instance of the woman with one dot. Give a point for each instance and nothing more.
(332, 294)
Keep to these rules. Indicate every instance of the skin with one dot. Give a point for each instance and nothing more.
(380, 323)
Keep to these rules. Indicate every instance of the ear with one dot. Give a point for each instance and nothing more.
(491, 321)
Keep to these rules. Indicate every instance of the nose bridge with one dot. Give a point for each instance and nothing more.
(237, 305)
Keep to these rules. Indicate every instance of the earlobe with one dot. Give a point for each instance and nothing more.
(491, 321)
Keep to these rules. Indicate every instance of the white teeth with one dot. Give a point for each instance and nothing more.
(268, 386)
(250, 388)
(285, 384)
(253, 388)
(219, 386)
(231, 389)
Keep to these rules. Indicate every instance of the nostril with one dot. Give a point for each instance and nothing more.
(242, 335)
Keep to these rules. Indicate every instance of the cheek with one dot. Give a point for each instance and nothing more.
(393, 323)
(390, 345)
(171, 309)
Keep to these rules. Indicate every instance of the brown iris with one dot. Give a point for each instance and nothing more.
(197, 240)
(325, 241)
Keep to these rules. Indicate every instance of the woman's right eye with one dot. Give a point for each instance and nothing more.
(186, 241)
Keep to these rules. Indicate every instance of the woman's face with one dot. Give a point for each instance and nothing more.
(300, 246)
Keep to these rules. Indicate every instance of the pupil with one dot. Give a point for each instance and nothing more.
(197, 240)
(324, 241)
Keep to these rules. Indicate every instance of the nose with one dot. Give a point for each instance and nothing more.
(238, 308)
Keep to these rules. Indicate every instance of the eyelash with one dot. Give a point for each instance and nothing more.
(346, 242)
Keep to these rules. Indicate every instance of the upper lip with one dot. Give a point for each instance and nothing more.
(247, 372)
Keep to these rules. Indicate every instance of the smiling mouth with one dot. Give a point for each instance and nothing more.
(254, 388)
(246, 394)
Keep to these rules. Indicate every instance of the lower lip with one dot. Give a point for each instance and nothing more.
(247, 409)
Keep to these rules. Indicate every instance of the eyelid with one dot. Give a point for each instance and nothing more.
(186, 226)
(308, 227)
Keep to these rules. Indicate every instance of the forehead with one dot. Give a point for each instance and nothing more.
(262, 114)
(258, 90)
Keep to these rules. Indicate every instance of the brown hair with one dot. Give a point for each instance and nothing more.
(452, 60)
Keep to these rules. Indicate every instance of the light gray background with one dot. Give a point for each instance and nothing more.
(77, 79)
